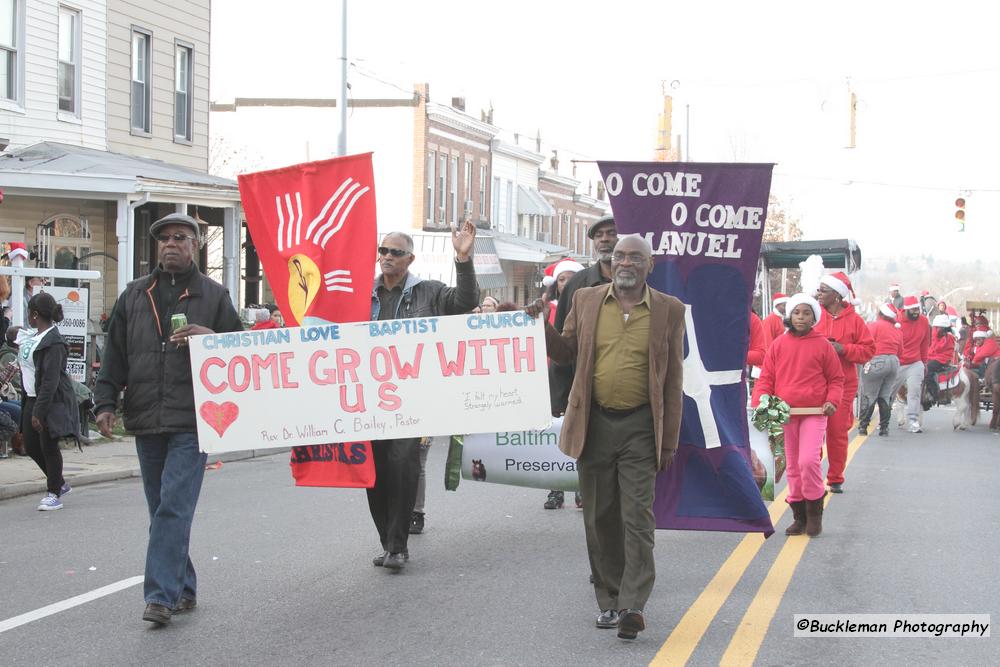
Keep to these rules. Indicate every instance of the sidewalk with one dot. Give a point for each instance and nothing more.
(102, 461)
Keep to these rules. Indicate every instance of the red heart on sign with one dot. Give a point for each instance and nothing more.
(219, 417)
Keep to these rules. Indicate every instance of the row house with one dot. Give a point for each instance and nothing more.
(104, 129)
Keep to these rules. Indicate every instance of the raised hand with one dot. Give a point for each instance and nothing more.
(464, 239)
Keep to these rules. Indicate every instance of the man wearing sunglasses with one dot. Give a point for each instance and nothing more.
(149, 359)
(400, 294)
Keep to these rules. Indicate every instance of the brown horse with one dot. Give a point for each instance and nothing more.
(991, 378)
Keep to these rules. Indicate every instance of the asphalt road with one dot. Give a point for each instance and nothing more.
(286, 578)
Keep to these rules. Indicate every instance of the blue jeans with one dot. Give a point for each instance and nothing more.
(13, 410)
(172, 471)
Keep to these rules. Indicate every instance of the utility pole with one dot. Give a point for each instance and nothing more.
(342, 100)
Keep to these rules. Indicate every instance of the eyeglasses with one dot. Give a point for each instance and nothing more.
(632, 257)
(176, 236)
(395, 252)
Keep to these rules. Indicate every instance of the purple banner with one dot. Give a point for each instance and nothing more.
(705, 222)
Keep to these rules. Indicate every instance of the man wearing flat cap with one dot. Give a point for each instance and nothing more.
(148, 358)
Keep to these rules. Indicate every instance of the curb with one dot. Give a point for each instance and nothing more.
(19, 489)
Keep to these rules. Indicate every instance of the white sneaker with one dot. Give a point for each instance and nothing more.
(915, 428)
(50, 502)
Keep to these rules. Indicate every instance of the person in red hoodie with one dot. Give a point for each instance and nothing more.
(774, 323)
(986, 351)
(916, 331)
(879, 375)
(755, 351)
(940, 356)
(802, 369)
(263, 320)
(853, 343)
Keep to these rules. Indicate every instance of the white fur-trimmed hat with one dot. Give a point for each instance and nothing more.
(941, 321)
(800, 298)
(887, 310)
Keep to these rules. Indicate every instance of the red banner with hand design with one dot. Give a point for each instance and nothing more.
(314, 227)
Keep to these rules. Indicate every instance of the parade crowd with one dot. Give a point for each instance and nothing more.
(616, 350)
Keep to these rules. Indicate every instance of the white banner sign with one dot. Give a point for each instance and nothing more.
(75, 305)
(520, 458)
(370, 380)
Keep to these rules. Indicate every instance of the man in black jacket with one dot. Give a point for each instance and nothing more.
(150, 360)
(400, 294)
(605, 236)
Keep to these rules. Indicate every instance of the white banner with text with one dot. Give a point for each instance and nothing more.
(370, 381)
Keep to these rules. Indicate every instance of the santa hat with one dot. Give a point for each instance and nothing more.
(980, 334)
(910, 302)
(894, 287)
(800, 298)
(950, 310)
(17, 249)
(941, 321)
(779, 299)
(887, 310)
(839, 283)
(566, 265)
(548, 279)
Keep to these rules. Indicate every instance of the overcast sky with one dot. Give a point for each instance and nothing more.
(766, 82)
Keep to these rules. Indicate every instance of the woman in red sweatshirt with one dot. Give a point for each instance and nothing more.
(879, 375)
(802, 368)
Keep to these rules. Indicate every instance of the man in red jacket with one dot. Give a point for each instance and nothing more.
(916, 330)
(774, 323)
(854, 344)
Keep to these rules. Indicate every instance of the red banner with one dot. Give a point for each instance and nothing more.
(315, 232)
(314, 228)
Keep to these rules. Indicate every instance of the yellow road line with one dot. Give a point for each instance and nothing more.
(746, 641)
(688, 632)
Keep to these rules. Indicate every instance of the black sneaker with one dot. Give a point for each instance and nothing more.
(862, 430)
(555, 500)
(836, 488)
(416, 523)
(396, 561)
(157, 613)
(186, 604)
(379, 560)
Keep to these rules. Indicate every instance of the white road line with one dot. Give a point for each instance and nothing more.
(69, 603)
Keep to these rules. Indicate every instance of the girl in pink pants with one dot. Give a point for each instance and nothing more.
(802, 368)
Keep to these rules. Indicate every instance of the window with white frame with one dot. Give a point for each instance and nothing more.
(442, 187)
(454, 191)
(511, 210)
(482, 191)
(183, 78)
(141, 80)
(69, 61)
(429, 177)
(467, 190)
(11, 49)
(496, 204)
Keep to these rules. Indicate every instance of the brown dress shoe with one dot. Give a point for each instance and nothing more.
(630, 623)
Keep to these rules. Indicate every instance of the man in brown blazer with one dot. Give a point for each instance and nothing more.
(622, 422)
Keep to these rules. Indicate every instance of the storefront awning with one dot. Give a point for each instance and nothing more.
(531, 202)
(434, 259)
(517, 249)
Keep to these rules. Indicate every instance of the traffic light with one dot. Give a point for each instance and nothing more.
(960, 213)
